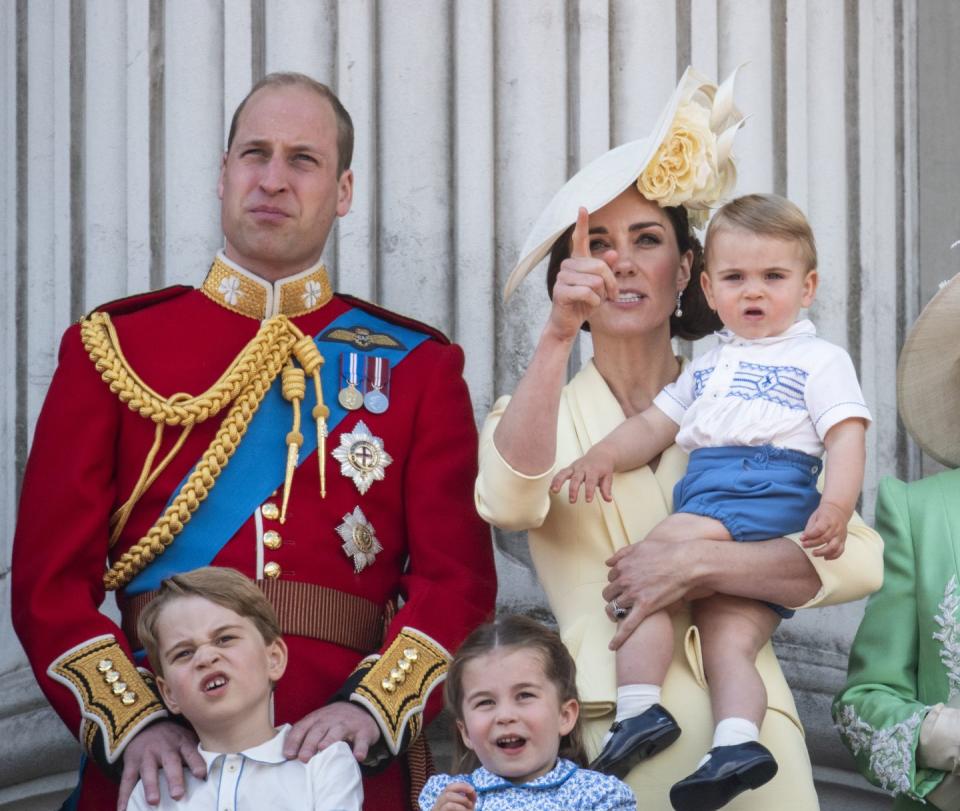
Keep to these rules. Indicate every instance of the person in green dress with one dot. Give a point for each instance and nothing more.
(899, 712)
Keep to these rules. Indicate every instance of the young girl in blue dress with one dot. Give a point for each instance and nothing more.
(512, 689)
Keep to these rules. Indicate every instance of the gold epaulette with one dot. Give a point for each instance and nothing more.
(115, 697)
(397, 684)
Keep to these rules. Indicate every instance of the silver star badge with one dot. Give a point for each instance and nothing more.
(359, 539)
(362, 457)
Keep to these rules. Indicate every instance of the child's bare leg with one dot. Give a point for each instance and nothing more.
(732, 632)
(642, 726)
(645, 655)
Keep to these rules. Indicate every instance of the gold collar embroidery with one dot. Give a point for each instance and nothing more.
(238, 290)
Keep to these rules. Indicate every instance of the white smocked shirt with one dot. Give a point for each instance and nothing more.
(261, 777)
(787, 390)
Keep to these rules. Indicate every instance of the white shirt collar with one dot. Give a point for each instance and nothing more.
(270, 751)
(802, 328)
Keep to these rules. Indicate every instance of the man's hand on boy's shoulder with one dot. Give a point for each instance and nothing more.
(163, 745)
(340, 721)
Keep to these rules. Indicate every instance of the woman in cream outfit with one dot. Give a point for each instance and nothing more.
(627, 285)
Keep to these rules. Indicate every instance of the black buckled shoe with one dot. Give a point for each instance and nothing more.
(636, 739)
(730, 771)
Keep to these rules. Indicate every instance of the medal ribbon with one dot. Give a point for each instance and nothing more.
(377, 365)
(353, 378)
(258, 465)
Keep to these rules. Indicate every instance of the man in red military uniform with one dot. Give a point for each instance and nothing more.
(319, 444)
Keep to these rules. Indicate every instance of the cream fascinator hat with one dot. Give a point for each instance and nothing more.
(686, 161)
(928, 377)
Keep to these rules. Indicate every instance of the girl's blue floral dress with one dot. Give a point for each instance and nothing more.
(566, 787)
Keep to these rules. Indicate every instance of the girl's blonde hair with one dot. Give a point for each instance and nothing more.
(514, 631)
(768, 215)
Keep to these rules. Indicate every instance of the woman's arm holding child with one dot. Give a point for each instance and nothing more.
(827, 528)
(632, 444)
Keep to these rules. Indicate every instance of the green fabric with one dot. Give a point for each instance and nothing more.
(906, 655)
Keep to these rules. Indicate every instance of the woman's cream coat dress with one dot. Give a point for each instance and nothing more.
(569, 544)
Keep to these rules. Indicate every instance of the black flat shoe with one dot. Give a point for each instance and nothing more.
(635, 739)
(730, 771)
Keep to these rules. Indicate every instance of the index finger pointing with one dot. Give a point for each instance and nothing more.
(580, 241)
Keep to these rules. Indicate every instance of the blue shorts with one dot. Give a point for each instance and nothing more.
(756, 493)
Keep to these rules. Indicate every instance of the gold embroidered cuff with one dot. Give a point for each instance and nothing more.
(114, 696)
(396, 687)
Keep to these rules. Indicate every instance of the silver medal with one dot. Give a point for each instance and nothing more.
(362, 457)
(359, 539)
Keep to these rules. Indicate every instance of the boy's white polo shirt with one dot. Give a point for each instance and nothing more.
(787, 390)
(261, 777)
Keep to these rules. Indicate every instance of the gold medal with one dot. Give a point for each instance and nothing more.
(350, 396)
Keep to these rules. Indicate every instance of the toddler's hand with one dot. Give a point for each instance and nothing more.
(826, 530)
(593, 470)
(457, 797)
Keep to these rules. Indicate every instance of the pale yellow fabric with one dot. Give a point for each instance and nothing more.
(569, 544)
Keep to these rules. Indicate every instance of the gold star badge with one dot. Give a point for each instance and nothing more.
(362, 457)
(359, 539)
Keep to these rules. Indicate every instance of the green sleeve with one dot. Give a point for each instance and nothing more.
(878, 713)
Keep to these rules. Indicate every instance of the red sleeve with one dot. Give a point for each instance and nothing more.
(59, 553)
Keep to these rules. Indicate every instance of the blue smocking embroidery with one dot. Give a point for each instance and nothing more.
(700, 379)
(783, 385)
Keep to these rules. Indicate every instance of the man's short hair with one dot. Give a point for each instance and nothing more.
(291, 79)
(218, 584)
(768, 215)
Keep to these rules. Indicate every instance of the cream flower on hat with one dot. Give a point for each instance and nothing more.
(687, 160)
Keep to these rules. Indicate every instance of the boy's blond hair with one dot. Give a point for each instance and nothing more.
(768, 215)
(218, 584)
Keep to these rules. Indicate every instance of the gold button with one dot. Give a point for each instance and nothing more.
(111, 676)
(270, 511)
(104, 665)
(410, 654)
(128, 698)
(272, 539)
(272, 570)
(119, 688)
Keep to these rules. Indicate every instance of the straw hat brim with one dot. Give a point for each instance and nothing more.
(604, 178)
(928, 377)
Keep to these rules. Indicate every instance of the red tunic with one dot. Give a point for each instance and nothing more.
(88, 452)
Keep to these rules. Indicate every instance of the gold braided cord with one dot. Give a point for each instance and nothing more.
(254, 371)
(312, 361)
(148, 475)
(294, 389)
(102, 344)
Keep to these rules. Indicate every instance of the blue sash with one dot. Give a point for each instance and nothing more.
(257, 466)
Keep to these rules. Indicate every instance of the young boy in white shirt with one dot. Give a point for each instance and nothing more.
(214, 643)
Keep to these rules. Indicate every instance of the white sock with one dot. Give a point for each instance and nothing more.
(632, 700)
(730, 732)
